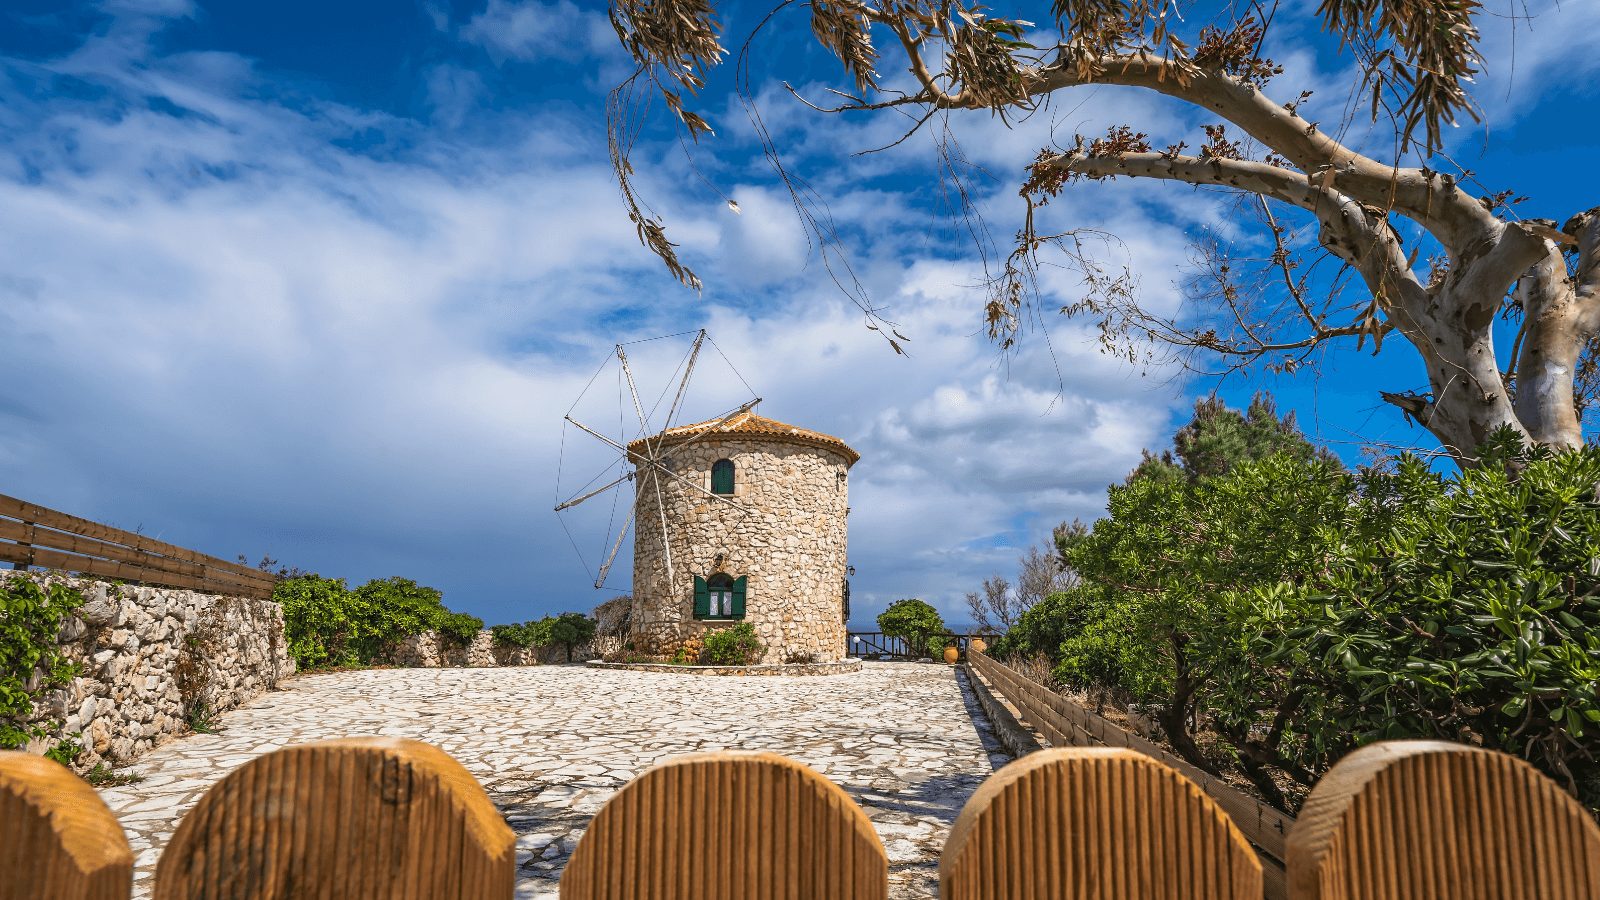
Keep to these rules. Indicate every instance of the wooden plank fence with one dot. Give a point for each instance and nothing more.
(380, 817)
(33, 535)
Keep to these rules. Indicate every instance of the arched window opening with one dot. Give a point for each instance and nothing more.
(719, 597)
(722, 476)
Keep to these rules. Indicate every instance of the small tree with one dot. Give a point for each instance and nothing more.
(996, 609)
(913, 621)
(568, 629)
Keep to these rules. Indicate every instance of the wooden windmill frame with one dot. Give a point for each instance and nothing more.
(654, 461)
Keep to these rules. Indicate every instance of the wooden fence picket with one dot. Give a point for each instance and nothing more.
(350, 819)
(1428, 820)
(57, 837)
(728, 826)
(1095, 823)
(1066, 723)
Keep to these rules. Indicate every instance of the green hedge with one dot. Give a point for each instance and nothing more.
(328, 625)
(1277, 616)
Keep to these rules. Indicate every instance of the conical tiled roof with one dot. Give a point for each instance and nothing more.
(748, 424)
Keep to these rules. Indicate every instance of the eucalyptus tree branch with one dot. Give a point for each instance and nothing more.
(1432, 198)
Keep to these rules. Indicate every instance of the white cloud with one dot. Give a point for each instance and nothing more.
(532, 31)
(348, 340)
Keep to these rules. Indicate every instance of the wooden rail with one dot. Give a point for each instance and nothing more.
(33, 535)
(1066, 723)
(379, 818)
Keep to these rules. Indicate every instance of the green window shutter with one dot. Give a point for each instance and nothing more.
(722, 476)
(702, 598)
(739, 586)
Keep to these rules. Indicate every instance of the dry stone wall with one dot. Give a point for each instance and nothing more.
(152, 657)
(791, 545)
(430, 650)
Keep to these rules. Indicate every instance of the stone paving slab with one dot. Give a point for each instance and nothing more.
(552, 743)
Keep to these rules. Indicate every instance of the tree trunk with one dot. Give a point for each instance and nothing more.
(1174, 715)
(1470, 399)
(1553, 336)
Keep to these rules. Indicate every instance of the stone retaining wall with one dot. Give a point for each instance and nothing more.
(431, 651)
(152, 658)
(839, 667)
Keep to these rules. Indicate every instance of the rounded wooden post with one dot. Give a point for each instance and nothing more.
(1417, 820)
(728, 826)
(351, 819)
(57, 837)
(1095, 823)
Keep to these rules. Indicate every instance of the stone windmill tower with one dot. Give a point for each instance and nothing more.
(736, 519)
(751, 529)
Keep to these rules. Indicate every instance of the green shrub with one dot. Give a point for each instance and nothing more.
(319, 621)
(460, 627)
(328, 625)
(1042, 628)
(393, 609)
(1286, 612)
(514, 635)
(30, 624)
(736, 646)
(1465, 608)
(916, 622)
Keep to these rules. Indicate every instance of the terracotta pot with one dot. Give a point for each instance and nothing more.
(977, 644)
(951, 654)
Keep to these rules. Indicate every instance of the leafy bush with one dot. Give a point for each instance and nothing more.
(459, 627)
(328, 625)
(736, 646)
(919, 624)
(1288, 611)
(319, 621)
(568, 629)
(514, 635)
(1043, 627)
(1465, 608)
(393, 609)
(30, 657)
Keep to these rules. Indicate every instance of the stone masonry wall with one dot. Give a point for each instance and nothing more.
(150, 658)
(429, 651)
(791, 545)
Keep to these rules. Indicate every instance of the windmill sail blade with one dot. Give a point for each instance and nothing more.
(605, 567)
(599, 490)
(633, 391)
(683, 386)
(666, 542)
(632, 456)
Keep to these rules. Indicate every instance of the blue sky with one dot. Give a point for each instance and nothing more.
(320, 280)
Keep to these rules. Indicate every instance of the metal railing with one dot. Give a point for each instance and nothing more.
(877, 645)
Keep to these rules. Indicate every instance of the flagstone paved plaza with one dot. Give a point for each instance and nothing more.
(552, 743)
